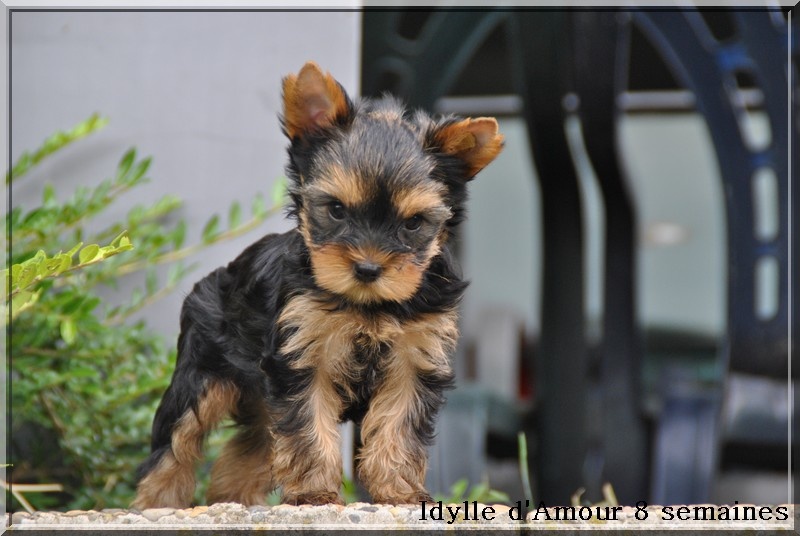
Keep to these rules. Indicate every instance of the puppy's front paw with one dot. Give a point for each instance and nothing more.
(407, 498)
(314, 498)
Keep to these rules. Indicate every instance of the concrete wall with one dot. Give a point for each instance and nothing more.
(199, 92)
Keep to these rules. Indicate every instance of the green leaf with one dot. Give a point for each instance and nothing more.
(74, 249)
(22, 301)
(210, 231)
(72, 306)
(235, 215)
(279, 192)
(179, 235)
(478, 491)
(27, 275)
(124, 243)
(87, 127)
(64, 263)
(88, 253)
(22, 166)
(16, 273)
(151, 281)
(121, 239)
(136, 297)
(88, 305)
(82, 372)
(53, 265)
(39, 257)
(165, 205)
(32, 217)
(54, 143)
(69, 331)
(259, 206)
(126, 163)
(101, 196)
(458, 489)
(495, 496)
(174, 274)
(139, 171)
(42, 268)
(49, 196)
(136, 214)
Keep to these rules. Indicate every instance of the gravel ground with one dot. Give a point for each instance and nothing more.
(363, 515)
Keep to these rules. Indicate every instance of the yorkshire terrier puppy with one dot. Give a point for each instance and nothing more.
(349, 316)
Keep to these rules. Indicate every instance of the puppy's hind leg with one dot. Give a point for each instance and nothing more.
(188, 412)
(242, 473)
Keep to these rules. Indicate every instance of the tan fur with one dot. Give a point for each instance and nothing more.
(392, 464)
(242, 473)
(411, 201)
(346, 187)
(169, 485)
(218, 402)
(303, 227)
(389, 115)
(311, 100)
(325, 339)
(172, 482)
(332, 265)
(322, 334)
(476, 141)
(312, 464)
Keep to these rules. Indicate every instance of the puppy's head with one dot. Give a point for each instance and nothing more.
(376, 189)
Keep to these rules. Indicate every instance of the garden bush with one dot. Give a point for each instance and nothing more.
(85, 378)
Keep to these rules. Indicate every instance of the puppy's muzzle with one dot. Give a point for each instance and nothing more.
(366, 271)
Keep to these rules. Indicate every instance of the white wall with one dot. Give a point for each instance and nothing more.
(199, 92)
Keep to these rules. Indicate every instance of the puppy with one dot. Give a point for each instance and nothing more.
(349, 316)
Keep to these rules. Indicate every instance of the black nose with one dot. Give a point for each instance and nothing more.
(367, 272)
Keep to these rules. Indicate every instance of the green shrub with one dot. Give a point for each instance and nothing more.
(85, 380)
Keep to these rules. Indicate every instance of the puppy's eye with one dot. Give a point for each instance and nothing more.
(413, 223)
(336, 211)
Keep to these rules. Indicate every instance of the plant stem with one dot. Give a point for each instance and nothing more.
(523, 466)
(149, 300)
(67, 271)
(41, 239)
(50, 352)
(179, 254)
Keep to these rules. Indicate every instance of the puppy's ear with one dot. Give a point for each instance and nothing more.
(312, 100)
(474, 141)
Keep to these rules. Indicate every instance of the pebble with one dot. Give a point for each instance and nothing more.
(20, 517)
(154, 514)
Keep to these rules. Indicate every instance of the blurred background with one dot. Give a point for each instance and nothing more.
(628, 316)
